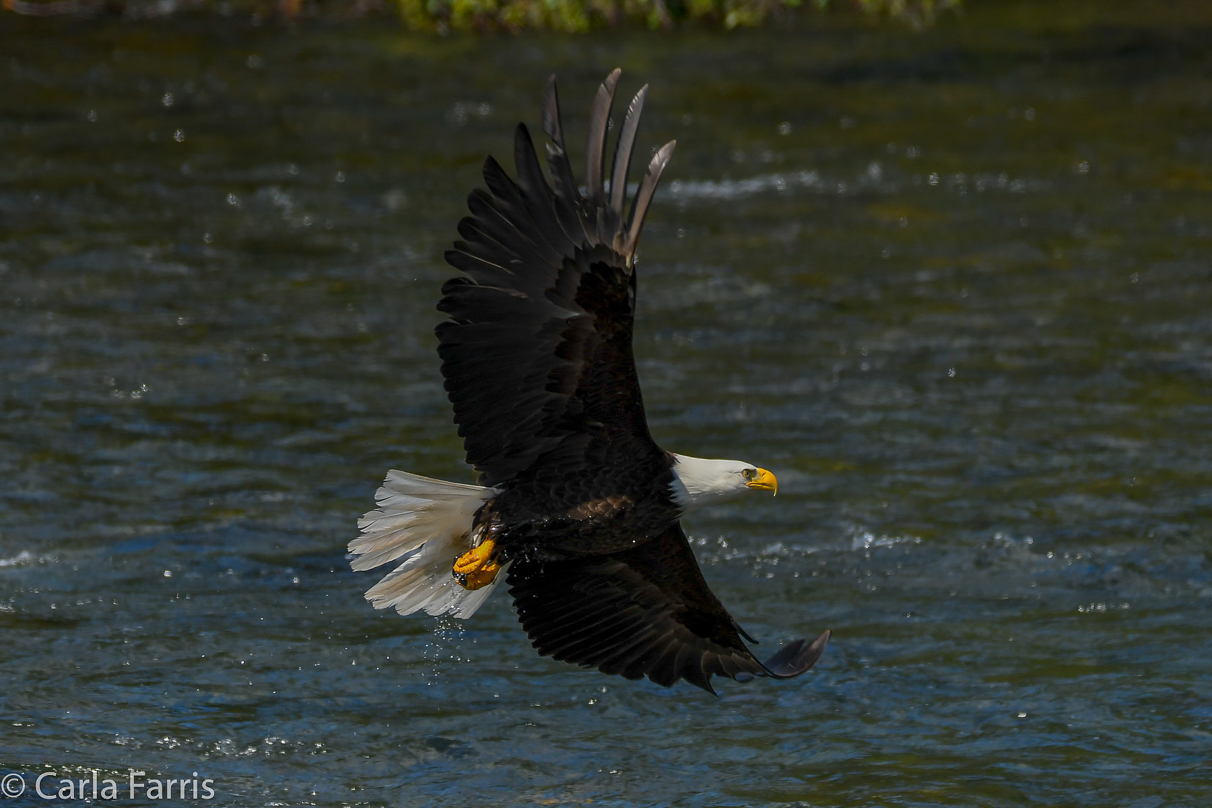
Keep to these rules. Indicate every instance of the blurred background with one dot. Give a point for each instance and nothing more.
(945, 270)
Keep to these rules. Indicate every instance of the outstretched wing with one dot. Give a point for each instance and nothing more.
(537, 351)
(643, 612)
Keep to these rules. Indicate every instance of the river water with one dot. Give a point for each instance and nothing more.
(952, 287)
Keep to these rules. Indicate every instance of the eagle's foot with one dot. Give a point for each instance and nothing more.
(478, 567)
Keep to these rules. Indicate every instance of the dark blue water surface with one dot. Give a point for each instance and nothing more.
(954, 288)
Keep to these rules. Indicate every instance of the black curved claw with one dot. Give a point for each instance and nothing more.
(797, 657)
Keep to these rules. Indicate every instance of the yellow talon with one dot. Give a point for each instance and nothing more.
(477, 567)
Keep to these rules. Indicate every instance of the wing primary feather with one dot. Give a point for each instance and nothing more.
(564, 185)
(508, 196)
(536, 194)
(664, 668)
(622, 153)
(648, 187)
(586, 626)
(688, 660)
(573, 623)
(618, 657)
(552, 125)
(797, 657)
(529, 244)
(595, 150)
(697, 674)
(743, 632)
(646, 660)
(591, 646)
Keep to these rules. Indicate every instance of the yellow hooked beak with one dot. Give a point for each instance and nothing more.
(764, 481)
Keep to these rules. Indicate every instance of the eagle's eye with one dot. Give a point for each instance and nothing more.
(750, 474)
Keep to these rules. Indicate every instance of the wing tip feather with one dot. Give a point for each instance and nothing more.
(552, 125)
(797, 657)
(623, 150)
(643, 197)
(595, 148)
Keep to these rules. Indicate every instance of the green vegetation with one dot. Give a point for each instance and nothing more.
(584, 15)
(441, 16)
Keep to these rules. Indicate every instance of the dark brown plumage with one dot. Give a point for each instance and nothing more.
(537, 359)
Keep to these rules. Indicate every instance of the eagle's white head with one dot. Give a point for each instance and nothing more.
(698, 482)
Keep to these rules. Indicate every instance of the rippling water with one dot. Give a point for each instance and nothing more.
(954, 288)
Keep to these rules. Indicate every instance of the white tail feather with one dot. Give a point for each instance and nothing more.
(428, 523)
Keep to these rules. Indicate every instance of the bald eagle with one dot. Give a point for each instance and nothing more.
(577, 508)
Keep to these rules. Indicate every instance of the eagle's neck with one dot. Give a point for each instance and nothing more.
(698, 481)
